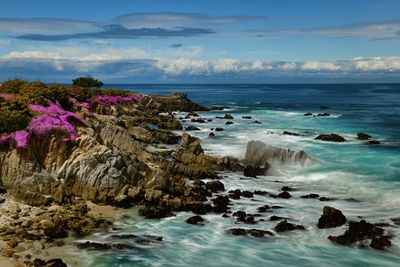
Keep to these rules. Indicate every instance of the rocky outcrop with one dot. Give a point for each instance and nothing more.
(174, 102)
(261, 154)
(331, 217)
(330, 138)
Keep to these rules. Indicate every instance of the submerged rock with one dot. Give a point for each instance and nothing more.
(331, 217)
(363, 136)
(228, 116)
(373, 142)
(192, 128)
(284, 226)
(330, 138)
(103, 246)
(195, 220)
(284, 194)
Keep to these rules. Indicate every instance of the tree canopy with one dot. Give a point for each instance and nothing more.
(87, 82)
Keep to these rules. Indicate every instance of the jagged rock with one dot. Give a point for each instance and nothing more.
(247, 117)
(49, 263)
(331, 217)
(359, 231)
(323, 114)
(235, 194)
(200, 208)
(363, 136)
(219, 129)
(290, 133)
(261, 154)
(252, 170)
(228, 123)
(259, 233)
(221, 204)
(330, 138)
(238, 231)
(308, 114)
(211, 134)
(284, 226)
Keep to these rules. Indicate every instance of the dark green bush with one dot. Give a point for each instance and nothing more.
(14, 116)
(87, 82)
(12, 86)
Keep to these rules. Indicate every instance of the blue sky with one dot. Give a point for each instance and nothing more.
(201, 41)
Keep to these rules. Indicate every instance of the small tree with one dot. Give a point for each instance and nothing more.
(87, 82)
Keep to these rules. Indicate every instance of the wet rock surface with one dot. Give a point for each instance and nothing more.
(331, 217)
(330, 138)
(285, 226)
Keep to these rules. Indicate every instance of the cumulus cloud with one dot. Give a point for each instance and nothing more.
(375, 30)
(38, 64)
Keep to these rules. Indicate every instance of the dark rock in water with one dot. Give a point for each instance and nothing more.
(235, 194)
(260, 193)
(308, 114)
(247, 194)
(373, 142)
(103, 246)
(323, 115)
(276, 218)
(221, 204)
(251, 170)
(225, 215)
(259, 233)
(228, 116)
(218, 108)
(380, 242)
(325, 199)
(141, 239)
(200, 208)
(155, 212)
(310, 196)
(193, 114)
(396, 220)
(192, 128)
(264, 208)
(284, 194)
(215, 186)
(284, 226)
(211, 134)
(241, 216)
(228, 123)
(257, 122)
(363, 136)
(290, 133)
(219, 129)
(199, 120)
(195, 220)
(331, 217)
(330, 138)
(239, 213)
(247, 117)
(238, 231)
(359, 231)
(286, 188)
(49, 263)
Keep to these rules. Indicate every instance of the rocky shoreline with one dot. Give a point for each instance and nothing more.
(129, 156)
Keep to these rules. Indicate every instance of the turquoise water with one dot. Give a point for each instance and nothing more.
(369, 174)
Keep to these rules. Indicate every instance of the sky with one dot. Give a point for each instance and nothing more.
(201, 41)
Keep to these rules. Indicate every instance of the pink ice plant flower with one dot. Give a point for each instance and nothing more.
(106, 100)
(53, 118)
(22, 139)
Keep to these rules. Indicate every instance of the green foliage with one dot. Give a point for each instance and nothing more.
(114, 92)
(12, 86)
(83, 94)
(87, 82)
(14, 116)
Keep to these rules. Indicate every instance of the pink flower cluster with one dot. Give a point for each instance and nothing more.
(51, 119)
(105, 100)
(85, 105)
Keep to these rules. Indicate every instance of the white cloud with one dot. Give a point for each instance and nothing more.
(375, 30)
(138, 62)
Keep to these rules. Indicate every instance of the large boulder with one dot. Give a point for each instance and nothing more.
(331, 217)
(262, 155)
(330, 138)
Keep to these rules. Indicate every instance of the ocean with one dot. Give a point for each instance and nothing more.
(363, 181)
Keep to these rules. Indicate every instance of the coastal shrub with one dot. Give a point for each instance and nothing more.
(87, 81)
(12, 86)
(14, 116)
